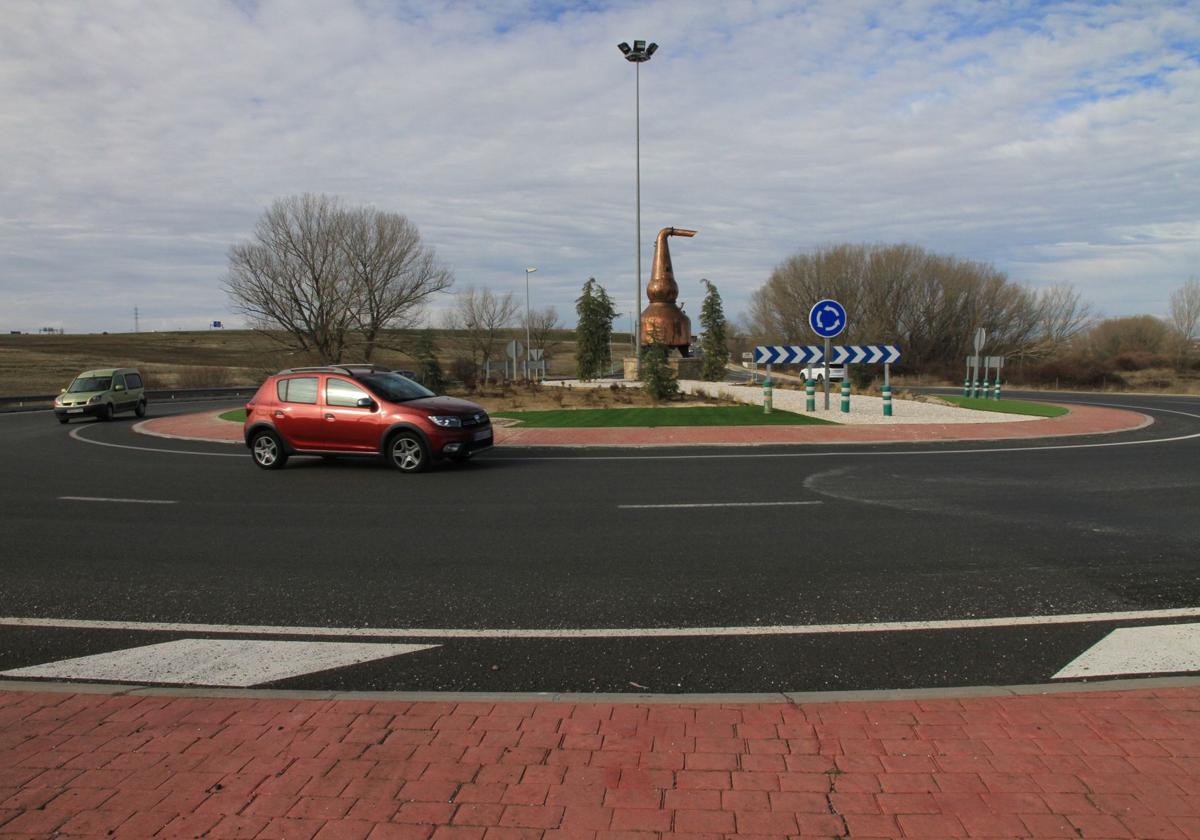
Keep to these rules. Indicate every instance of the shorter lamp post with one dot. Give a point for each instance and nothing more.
(528, 271)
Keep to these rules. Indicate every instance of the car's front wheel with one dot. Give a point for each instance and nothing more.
(107, 412)
(407, 453)
(140, 409)
(267, 450)
(64, 419)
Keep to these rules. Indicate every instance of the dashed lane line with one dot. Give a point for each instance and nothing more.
(118, 501)
(718, 505)
(602, 632)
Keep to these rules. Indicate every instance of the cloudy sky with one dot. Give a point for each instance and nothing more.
(139, 140)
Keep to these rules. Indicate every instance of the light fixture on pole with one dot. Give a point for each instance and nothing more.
(528, 271)
(639, 53)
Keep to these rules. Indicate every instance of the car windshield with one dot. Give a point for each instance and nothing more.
(396, 388)
(90, 383)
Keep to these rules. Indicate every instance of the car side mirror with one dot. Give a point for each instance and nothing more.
(118, 387)
(366, 402)
(62, 390)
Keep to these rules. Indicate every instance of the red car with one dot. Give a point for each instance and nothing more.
(360, 410)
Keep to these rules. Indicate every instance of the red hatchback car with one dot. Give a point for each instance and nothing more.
(360, 410)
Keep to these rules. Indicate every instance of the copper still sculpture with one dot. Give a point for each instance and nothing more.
(663, 321)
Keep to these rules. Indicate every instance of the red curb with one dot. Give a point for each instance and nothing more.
(1103, 763)
(1080, 420)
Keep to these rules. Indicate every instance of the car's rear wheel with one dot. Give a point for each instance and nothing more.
(140, 408)
(267, 450)
(107, 412)
(407, 452)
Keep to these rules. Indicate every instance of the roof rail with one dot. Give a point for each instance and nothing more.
(348, 370)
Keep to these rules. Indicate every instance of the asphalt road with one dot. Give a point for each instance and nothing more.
(553, 541)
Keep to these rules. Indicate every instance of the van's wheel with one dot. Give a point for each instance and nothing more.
(140, 409)
(267, 450)
(64, 419)
(407, 452)
(107, 413)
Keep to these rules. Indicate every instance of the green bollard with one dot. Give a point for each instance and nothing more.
(887, 400)
(997, 387)
(767, 395)
(810, 395)
(845, 396)
(967, 387)
(978, 392)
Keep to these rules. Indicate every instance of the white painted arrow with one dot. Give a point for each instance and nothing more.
(1159, 649)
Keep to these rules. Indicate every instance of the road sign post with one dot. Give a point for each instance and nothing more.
(980, 339)
(887, 390)
(827, 319)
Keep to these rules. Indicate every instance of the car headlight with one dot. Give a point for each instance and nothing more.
(96, 399)
(448, 422)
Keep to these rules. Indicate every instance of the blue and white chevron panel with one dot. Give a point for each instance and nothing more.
(869, 354)
(788, 354)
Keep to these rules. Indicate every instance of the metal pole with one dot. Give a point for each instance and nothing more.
(826, 372)
(637, 299)
(528, 271)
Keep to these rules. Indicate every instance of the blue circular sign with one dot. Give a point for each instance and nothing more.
(827, 318)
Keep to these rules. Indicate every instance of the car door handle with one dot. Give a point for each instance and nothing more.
(329, 417)
(278, 413)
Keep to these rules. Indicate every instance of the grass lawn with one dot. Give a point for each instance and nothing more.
(717, 415)
(1007, 406)
(238, 415)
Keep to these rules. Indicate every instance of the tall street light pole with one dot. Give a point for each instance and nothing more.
(639, 53)
(528, 271)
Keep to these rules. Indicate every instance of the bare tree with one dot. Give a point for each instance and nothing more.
(392, 272)
(291, 276)
(480, 317)
(316, 273)
(1062, 315)
(1185, 317)
(541, 325)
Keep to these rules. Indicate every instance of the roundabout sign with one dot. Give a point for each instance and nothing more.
(827, 318)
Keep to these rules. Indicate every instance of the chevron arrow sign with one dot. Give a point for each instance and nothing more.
(870, 354)
(788, 354)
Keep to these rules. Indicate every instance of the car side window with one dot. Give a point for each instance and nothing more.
(339, 392)
(133, 381)
(301, 389)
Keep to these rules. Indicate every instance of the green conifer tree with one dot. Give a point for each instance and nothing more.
(712, 321)
(593, 335)
(658, 376)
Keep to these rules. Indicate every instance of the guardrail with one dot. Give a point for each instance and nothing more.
(41, 402)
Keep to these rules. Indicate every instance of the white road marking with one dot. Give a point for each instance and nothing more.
(603, 632)
(718, 505)
(237, 663)
(75, 433)
(122, 501)
(1168, 649)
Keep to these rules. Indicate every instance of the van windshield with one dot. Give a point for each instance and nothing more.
(90, 383)
(395, 388)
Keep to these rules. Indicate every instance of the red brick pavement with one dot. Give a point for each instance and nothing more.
(1082, 420)
(1111, 764)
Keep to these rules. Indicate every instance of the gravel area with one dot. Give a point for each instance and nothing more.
(864, 410)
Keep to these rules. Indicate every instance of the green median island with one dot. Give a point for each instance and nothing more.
(1007, 406)
(238, 415)
(717, 415)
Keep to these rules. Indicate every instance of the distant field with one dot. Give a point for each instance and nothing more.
(734, 415)
(42, 364)
(1007, 406)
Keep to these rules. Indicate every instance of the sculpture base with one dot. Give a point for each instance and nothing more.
(685, 368)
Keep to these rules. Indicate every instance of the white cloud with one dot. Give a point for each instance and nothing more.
(139, 140)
